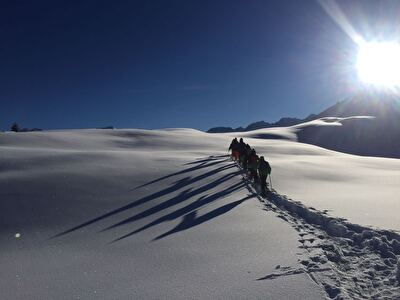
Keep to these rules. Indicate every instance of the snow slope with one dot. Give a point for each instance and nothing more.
(344, 126)
(164, 214)
(362, 189)
(134, 214)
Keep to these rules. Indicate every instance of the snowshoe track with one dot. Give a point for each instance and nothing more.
(348, 260)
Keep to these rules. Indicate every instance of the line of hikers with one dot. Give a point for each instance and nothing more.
(258, 167)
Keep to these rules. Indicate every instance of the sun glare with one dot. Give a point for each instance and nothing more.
(379, 63)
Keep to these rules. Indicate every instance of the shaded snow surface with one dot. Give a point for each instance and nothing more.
(133, 214)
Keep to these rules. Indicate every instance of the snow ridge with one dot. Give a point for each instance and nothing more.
(349, 261)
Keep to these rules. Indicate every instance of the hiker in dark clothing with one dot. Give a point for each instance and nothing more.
(242, 151)
(235, 149)
(264, 169)
(246, 157)
(252, 162)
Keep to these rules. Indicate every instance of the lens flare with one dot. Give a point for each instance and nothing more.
(379, 63)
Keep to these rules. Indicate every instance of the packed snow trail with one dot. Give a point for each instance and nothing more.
(363, 190)
(349, 261)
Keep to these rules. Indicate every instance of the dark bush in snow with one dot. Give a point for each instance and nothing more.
(15, 127)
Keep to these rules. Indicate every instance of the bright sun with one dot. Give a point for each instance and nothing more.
(379, 63)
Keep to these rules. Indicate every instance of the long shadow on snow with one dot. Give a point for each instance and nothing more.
(291, 272)
(176, 186)
(200, 165)
(200, 202)
(183, 196)
(208, 159)
(190, 220)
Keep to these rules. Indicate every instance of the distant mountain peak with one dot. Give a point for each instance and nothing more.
(283, 122)
(383, 104)
(356, 133)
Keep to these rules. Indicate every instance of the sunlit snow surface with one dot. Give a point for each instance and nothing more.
(162, 214)
(362, 189)
(133, 214)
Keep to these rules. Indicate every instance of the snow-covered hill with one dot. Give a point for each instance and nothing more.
(377, 136)
(128, 214)
(133, 214)
(361, 189)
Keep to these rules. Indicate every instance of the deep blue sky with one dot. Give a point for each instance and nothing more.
(155, 64)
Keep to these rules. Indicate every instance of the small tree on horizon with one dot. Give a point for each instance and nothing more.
(15, 127)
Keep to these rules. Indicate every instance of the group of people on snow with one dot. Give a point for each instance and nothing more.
(257, 167)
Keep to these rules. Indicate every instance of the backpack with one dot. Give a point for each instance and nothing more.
(264, 168)
(253, 160)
